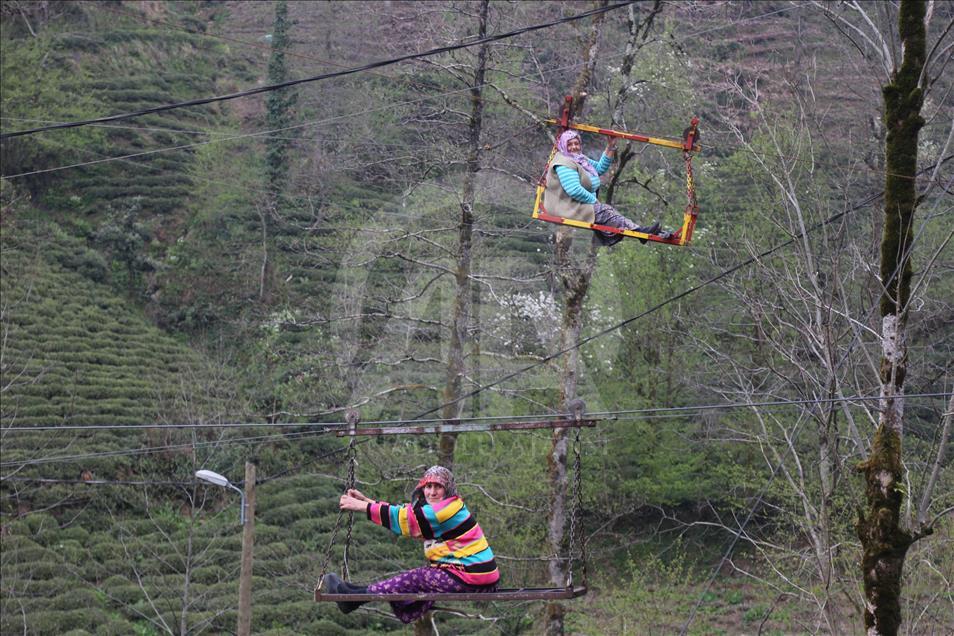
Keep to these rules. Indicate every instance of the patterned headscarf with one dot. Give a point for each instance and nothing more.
(436, 475)
(578, 157)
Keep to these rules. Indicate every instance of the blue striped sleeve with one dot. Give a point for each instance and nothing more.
(603, 164)
(394, 519)
(570, 180)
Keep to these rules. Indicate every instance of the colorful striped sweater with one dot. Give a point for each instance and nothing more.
(452, 538)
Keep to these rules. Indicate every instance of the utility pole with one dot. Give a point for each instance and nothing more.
(248, 539)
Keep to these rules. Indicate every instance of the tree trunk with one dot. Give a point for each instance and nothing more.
(462, 298)
(575, 280)
(884, 541)
(576, 283)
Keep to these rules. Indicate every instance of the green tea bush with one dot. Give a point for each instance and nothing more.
(41, 526)
(79, 597)
(210, 574)
(116, 627)
(18, 544)
(294, 612)
(37, 590)
(290, 514)
(54, 622)
(70, 551)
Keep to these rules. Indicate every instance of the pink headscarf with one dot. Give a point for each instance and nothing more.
(578, 157)
(435, 475)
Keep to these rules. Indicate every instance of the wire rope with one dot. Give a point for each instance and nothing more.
(153, 449)
(789, 448)
(315, 78)
(328, 427)
(268, 134)
(653, 309)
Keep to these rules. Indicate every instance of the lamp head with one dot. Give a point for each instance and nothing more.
(212, 477)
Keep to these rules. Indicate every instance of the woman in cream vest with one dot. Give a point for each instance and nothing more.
(572, 182)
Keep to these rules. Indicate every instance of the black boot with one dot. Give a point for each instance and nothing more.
(347, 607)
(334, 585)
(648, 229)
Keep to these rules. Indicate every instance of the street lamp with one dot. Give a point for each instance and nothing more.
(219, 480)
(248, 540)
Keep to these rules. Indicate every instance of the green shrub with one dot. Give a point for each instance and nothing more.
(79, 597)
(121, 590)
(53, 622)
(288, 515)
(116, 627)
(70, 551)
(210, 574)
(17, 543)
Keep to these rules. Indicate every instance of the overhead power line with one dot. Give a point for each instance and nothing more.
(328, 427)
(653, 309)
(316, 78)
(99, 482)
(646, 413)
(270, 133)
(754, 259)
(123, 452)
(283, 474)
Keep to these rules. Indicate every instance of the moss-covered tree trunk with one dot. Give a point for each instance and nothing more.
(884, 540)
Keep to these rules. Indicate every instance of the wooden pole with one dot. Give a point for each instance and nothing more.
(248, 539)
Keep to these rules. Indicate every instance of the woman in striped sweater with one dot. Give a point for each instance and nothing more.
(459, 557)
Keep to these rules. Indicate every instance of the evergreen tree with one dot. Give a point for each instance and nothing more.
(278, 105)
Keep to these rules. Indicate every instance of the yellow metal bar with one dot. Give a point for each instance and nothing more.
(668, 143)
(589, 226)
(536, 203)
(686, 219)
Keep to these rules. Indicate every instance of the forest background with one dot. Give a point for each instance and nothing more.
(216, 284)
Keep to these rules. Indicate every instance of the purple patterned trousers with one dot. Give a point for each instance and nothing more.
(423, 579)
(607, 215)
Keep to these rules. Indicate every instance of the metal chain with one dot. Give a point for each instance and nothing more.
(578, 469)
(352, 466)
(690, 183)
(331, 545)
(571, 542)
(576, 535)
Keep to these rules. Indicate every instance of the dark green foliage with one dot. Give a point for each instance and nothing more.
(122, 237)
(278, 104)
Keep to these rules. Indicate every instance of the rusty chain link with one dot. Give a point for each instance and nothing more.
(690, 183)
(352, 466)
(349, 483)
(578, 503)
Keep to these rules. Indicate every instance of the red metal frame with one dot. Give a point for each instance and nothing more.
(683, 234)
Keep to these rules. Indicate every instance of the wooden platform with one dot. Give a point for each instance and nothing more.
(511, 594)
